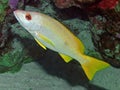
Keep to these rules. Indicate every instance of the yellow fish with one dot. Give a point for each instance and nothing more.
(49, 33)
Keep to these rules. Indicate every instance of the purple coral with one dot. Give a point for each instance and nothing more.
(13, 4)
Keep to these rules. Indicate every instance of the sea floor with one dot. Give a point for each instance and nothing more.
(33, 77)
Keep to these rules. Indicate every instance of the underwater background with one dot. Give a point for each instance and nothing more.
(24, 65)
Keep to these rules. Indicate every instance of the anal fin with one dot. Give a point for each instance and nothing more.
(66, 58)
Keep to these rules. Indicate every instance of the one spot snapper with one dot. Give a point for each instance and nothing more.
(50, 33)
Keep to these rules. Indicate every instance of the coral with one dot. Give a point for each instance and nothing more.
(69, 3)
(13, 4)
(12, 61)
(102, 4)
(3, 6)
(13, 54)
(16, 52)
(117, 8)
(106, 4)
(112, 24)
(108, 41)
(24, 44)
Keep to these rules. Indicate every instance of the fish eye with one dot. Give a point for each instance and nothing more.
(28, 16)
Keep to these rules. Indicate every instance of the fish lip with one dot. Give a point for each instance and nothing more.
(17, 17)
(15, 13)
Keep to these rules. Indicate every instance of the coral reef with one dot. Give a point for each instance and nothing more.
(14, 4)
(98, 29)
(104, 16)
(69, 3)
(103, 31)
(108, 38)
(3, 6)
(13, 54)
(102, 4)
(107, 4)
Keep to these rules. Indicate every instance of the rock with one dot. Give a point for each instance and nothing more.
(69, 3)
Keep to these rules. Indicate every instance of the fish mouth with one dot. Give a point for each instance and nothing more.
(17, 14)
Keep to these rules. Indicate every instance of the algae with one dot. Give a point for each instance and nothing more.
(19, 53)
(3, 6)
(117, 8)
(14, 59)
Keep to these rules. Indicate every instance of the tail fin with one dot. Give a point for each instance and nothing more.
(92, 66)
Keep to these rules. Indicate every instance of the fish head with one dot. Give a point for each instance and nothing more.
(28, 19)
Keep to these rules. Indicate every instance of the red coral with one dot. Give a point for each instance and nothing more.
(107, 4)
(103, 4)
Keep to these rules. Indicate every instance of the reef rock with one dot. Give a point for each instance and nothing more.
(69, 3)
(102, 4)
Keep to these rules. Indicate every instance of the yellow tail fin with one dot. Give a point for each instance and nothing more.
(92, 66)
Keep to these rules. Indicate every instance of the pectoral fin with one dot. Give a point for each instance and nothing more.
(40, 44)
(66, 58)
(45, 39)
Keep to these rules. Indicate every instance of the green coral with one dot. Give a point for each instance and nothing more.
(12, 61)
(3, 6)
(23, 49)
(117, 8)
(115, 53)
